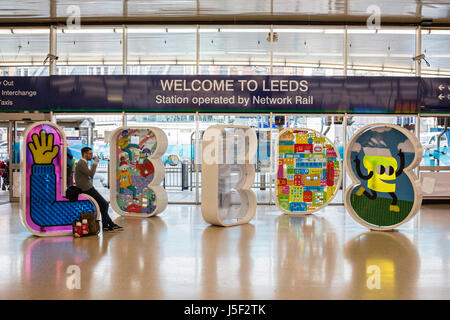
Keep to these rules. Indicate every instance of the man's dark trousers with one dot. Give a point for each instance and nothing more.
(103, 204)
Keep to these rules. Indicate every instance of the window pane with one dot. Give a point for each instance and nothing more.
(246, 46)
(99, 47)
(313, 49)
(376, 52)
(23, 51)
(161, 50)
(436, 47)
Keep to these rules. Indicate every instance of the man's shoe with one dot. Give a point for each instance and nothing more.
(108, 229)
(117, 227)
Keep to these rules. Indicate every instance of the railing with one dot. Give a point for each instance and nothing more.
(174, 178)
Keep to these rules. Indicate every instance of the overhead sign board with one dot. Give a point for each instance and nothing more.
(164, 93)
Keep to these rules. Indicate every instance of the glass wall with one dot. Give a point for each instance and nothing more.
(23, 51)
(237, 50)
(180, 180)
(161, 50)
(385, 51)
(435, 165)
(91, 130)
(234, 50)
(436, 47)
(304, 48)
(260, 123)
(89, 51)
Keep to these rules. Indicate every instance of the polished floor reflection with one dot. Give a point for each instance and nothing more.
(179, 256)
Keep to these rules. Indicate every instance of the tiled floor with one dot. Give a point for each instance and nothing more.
(179, 256)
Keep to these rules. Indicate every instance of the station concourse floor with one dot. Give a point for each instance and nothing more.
(177, 255)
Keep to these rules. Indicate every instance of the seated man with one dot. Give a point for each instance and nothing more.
(83, 180)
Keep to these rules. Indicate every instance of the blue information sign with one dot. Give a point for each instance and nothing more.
(163, 93)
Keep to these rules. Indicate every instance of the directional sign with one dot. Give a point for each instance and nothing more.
(434, 95)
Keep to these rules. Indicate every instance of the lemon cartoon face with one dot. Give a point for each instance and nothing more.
(384, 169)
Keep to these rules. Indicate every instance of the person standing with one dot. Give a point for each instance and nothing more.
(84, 180)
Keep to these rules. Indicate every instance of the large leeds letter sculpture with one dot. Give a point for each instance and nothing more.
(45, 212)
(385, 193)
(308, 172)
(228, 173)
(137, 171)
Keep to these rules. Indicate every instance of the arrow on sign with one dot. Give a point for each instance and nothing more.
(441, 96)
(441, 87)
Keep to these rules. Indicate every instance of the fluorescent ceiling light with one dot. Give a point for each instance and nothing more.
(400, 55)
(289, 53)
(247, 52)
(231, 63)
(402, 70)
(90, 63)
(325, 54)
(208, 30)
(362, 31)
(259, 63)
(366, 68)
(334, 31)
(90, 30)
(437, 32)
(396, 31)
(146, 30)
(438, 56)
(181, 30)
(381, 31)
(298, 30)
(368, 55)
(31, 31)
(16, 64)
(244, 30)
(380, 55)
(24, 31)
(161, 63)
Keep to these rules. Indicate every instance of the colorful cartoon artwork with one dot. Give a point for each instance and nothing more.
(138, 171)
(45, 211)
(308, 172)
(385, 192)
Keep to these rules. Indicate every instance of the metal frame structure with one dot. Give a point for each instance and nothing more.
(417, 71)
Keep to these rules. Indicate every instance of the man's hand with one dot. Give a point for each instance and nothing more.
(95, 160)
(42, 149)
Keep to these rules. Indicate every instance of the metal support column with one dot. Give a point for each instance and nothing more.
(271, 49)
(272, 178)
(197, 56)
(346, 51)
(52, 51)
(418, 51)
(197, 158)
(124, 49)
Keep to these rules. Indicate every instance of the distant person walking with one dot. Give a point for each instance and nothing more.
(4, 175)
(83, 180)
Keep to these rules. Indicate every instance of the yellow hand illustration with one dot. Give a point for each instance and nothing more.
(43, 150)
